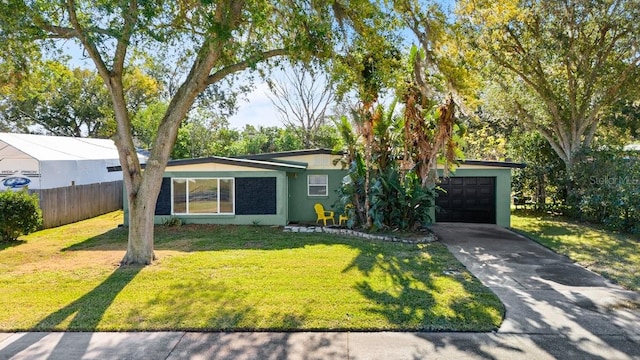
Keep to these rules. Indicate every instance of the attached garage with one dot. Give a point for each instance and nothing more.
(470, 199)
(478, 192)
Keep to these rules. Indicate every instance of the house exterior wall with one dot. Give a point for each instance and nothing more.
(503, 189)
(281, 209)
(315, 161)
(293, 202)
(301, 204)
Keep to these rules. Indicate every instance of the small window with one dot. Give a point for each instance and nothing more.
(318, 185)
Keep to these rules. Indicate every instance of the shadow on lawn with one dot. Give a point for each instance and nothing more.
(87, 311)
(227, 310)
(414, 274)
(115, 239)
(414, 300)
(9, 244)
(83, 314)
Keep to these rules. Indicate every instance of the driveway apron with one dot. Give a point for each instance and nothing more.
(546, 296)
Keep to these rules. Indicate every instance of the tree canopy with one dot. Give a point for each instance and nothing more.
(559, 65)
(560, 68)
(215, 39)
(58, 100)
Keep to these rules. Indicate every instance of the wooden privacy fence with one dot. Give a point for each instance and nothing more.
(65, 205)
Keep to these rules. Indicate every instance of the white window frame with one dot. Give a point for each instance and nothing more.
(326, 185)
(187, 180)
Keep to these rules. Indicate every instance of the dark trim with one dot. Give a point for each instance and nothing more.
(502, 164)
(285, 162)
(269, 156)
(266, 161)
(251, 163)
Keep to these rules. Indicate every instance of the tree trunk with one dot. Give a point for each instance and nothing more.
(367, 182)
(143, 188)
(140, 248)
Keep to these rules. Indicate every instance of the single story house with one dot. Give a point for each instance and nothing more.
(281, 188)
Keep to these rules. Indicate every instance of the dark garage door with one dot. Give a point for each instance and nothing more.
(467, 199)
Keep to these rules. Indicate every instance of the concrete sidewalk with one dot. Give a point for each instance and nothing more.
(382, 345)
(555, 310)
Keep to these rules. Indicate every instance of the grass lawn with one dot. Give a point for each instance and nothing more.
(235, 278)
(615, 256)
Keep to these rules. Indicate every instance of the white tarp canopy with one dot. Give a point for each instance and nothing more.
(46, 162)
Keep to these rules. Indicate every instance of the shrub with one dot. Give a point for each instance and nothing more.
(172, 222)
(20, 214)
(397, 201)
(605, 189)
(401, 202)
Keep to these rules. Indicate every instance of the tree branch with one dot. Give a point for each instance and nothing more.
(91, 48)
(242, 65)
(130, 18)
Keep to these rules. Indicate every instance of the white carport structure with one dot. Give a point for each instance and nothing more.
(47, 162)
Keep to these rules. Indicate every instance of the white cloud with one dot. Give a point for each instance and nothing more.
(255, 109)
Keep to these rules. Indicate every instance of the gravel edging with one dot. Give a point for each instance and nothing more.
(428, 238)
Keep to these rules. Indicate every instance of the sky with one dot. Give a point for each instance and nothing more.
(255, 109)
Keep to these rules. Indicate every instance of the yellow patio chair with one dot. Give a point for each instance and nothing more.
(323, 215)
(344, 217)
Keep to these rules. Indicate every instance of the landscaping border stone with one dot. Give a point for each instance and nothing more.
(428, 238)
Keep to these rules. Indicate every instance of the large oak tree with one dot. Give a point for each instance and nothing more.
(558, 65)
(218, 38)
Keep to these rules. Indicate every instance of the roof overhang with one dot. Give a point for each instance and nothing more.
(497, 164)
(273, 155)
(288, 166)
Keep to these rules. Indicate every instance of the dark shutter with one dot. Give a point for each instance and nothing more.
(163, 205)
(256, 196)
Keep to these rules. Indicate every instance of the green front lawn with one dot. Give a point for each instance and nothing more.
(615, 256)
(235, 278)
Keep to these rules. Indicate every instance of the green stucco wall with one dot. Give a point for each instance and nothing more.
(294, 205)
(301, 205)
(503, 190)
(280, 218)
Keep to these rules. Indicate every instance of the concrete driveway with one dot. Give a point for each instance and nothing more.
(565, 309)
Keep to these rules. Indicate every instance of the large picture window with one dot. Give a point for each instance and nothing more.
(203, 196)
(318, 185)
